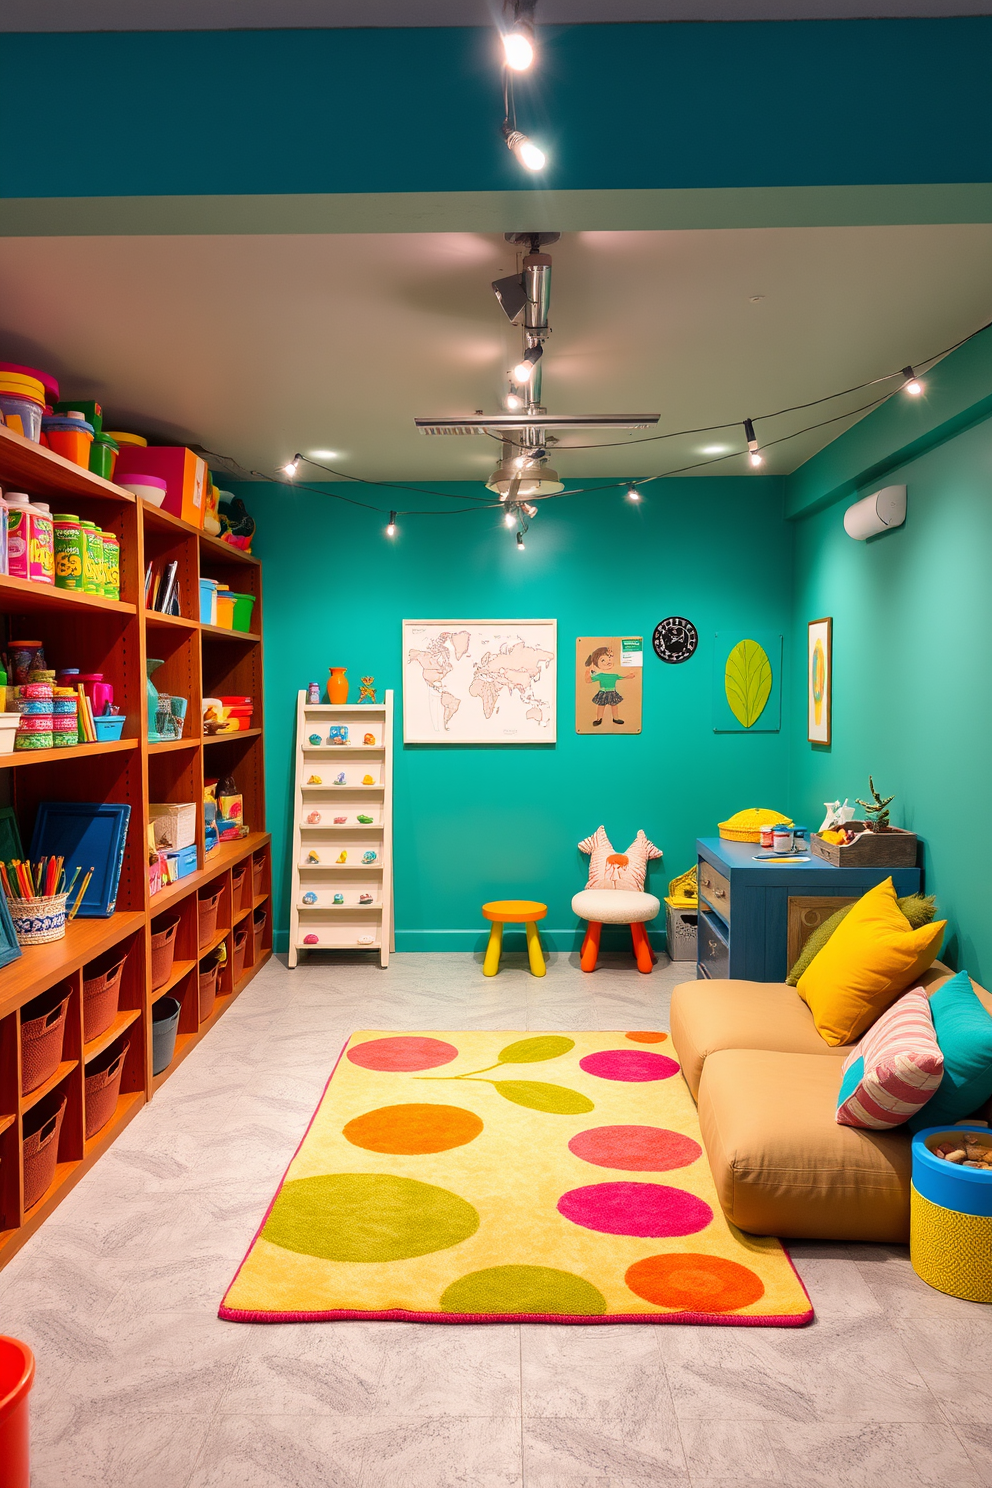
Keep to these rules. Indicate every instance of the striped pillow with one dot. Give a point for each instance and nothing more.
(895, 1069)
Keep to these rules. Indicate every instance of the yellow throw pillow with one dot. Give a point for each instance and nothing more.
(872, 956)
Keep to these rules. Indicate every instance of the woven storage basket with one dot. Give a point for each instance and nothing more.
(101, 995)
(175, 823)
(259, 929)
(38, 921)
(41, 1153)
(103, 1087)
(163, 954)
(209, 903)
(681, 933)
(745, 826)
(240, 950)
(41, 1040)
(257, 873)
(238, 877)
(208, 989)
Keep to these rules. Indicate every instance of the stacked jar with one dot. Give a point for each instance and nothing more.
(30, 538)
(65, 721)
(36, 729)
(86, 559)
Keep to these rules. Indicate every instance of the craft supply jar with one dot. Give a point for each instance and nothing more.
(41, 544)
(92, 558)
(69, 437)
(18, 513)
(22, 403)
(782, 840)
(767, 838)
(111, 565)
(68, 552)
(103, 456)
(25, 658)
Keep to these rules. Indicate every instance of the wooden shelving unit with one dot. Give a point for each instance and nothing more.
(116, 637)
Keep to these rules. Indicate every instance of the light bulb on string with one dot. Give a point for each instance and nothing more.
(913, 385)
(391, 525)
(510, 520)
(524, 369)
(520, 542)
(531, 156)
(633, 494)
(754, 455)
(292, 466)
(518, 47)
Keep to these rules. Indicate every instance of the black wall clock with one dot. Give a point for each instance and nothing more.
(675, 639)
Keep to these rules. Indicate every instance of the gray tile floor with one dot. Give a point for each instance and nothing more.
(140, 1386)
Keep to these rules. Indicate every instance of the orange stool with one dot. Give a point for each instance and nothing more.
(601, 907)
(514, 912)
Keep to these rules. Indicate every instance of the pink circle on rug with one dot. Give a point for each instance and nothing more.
(629, 1064)
(648, 1210)
(402, 1054)
(635, 1149)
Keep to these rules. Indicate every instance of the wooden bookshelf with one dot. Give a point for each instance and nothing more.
(116, 637)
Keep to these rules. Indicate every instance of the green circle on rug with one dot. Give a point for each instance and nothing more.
(367, 1217)
(524, 1289)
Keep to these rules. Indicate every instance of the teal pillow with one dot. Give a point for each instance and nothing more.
(964, 1033)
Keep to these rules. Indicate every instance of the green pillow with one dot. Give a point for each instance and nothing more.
(964, 1033)
(919, 909)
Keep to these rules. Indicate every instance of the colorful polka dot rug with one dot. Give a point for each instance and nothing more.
(508, 1177)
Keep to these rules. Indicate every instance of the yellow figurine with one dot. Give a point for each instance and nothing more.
(315, 780)
(313, 857)
(370, 738)
(367, 694)
(367, 780)
(343, 855)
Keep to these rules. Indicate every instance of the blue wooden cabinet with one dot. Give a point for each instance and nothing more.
(753, 917)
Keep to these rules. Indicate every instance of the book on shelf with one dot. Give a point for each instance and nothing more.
(162, 589)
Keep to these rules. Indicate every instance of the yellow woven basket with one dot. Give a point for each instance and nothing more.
(682, 891)
(745, 826)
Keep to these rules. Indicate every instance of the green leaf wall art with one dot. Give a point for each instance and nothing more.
(747, 682)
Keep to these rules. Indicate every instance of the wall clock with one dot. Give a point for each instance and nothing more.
(675, 639)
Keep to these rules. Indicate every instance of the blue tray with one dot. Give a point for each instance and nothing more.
(87, 834)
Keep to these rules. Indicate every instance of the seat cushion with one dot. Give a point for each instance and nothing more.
(781, 1163)
(615, 906)
(710, 1015)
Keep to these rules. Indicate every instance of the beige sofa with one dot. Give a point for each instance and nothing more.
(766, 1086)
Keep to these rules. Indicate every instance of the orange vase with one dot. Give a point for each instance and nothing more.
(337, 685)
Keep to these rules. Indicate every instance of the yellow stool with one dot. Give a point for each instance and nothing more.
(514, 912)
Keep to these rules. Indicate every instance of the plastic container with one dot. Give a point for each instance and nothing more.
(92, 558)
(257, 874)
(68, 551)
(42, 920)
(40, 1151)
(243, 606)
(16, 1379)
(111, 565)
(111, 726)
(208, 601)
(258, 925)
(782, 840)
(101, 995)
(22, 402)
(163, 954)
(208, 989)
(147, 488)
(99, 692)
(103, 1087)
(209, 904)
(240, 950)
(120, 437)
(18, 512)
(71, 438)
(86, 408)
(950, 1230)
(103, 456)
(165, 1024)
(48, 382)
(41, 546)
(9, 723)
(42, 1036)
(225, 609)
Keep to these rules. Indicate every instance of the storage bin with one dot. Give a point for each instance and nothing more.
(239, 709)
(103, 456)
(257, 874)
(238, 877)
(243, 606)
(42, 1034)
(182, 862)
(165, 1024)
(240, 950)
(101, 996)
(103, 1086)
(208, 987)
(175, 823)
(681, 933)
(259, 927)
(208, 601)
(40, 1150)
(8, 731)
(16, 1379)
(225, 609)
(147, 488)
(163, 954)
(209, 904)
(950, 1233)
(111, 726)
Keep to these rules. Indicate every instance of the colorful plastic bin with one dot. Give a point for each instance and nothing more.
(243, 606)
(22, 402)
(208, 601)
(16, 1379)
(950, 1239)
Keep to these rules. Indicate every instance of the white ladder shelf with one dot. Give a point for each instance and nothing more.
(337, 785)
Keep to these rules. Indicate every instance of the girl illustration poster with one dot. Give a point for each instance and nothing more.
(608, 674)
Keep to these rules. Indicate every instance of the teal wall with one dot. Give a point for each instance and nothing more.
(912, 612)
(474, 823)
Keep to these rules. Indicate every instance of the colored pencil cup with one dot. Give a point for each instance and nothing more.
(38, 921)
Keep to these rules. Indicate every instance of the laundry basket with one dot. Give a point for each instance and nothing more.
(209, 904)
(257, 874)
(163, 954)
(41, 1151)
(208, 988)
(240, 950)
(103, 1087)
(101, 995)
(42, 1033)
(258, 926)
(238, 877)
(165, 1025)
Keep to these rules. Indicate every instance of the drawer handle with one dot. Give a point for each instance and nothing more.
(719, 893)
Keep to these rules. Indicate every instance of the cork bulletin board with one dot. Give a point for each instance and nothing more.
(608, 684)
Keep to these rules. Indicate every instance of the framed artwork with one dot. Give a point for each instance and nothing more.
(819, 680)
(747, 682)
(480, 681)
(608, 674)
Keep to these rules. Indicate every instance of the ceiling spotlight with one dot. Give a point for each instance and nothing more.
(292, 466)
(520, 542)
(524, 369)
(633, 494)
(529, 509)
(752, 444)
(511, 294)
(913, 386)
(518, 47)
(391, 525)
(510, 520)
(531, 156)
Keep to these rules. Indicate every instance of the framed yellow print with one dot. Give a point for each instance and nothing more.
(819, 680)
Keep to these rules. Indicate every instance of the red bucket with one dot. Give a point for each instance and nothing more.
(16, 1379)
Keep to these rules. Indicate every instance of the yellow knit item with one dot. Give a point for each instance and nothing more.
(951, 1251)
(745, 826)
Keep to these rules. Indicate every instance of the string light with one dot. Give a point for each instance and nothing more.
(391, 525)
(531, 156)
(520, 542)
(913, 386)
(518, 47)
(633, 494)
(752, 444)
(293, 465)
(510, 520)
(524, 369)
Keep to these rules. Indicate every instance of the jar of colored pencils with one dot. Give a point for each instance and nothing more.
(40, 920)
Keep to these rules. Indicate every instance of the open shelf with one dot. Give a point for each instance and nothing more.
(29, 466)
(252, 733)
(26, 597)
(156, 617)
(168, 746)
(73, 752)
(34, 1096)
(103, 1041)
(224, 633)
(40, 967)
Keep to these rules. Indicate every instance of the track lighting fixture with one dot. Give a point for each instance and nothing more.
(292, 466)
(391, 525)
(633, 494)
(520, 542)
(752, 444)
(531, 156)
(524, 369)
(529, 509)
(913, 385)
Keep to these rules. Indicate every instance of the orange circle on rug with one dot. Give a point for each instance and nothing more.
(694, 1283)
(413, 1130)
(645, 1036)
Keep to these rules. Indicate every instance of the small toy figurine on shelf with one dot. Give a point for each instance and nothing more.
(313, 857)
(310, 940)
(365, 898)
(338, 898)
(343, 855)
(339, 821)
(314, 739)
(315, 780)
(367, 694)
(313, 819)
(339, 779)
(368, 857)
(337, 733)
(365, 821)
(367, 780)
(313, 692)
(877, 811)
(310, 897)
(369, 739)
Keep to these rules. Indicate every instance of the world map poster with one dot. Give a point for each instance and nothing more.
(480, 681)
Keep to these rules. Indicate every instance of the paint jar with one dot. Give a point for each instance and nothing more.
(69, 437)
(767, 836)
(18, 513)
(92, 558)
(111, 565)
(782, 839)
(68, 552)
(41, 544)
(103, 456)
(25, 658)
(800, 839)
(22, 402)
